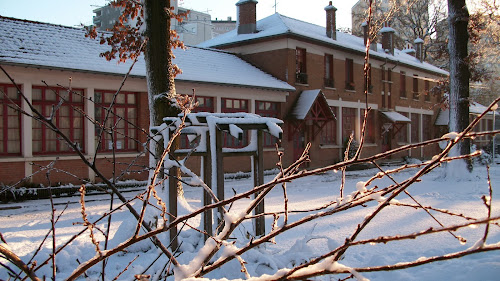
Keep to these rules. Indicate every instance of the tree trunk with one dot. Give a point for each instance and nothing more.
(458, 18)
(159, 70)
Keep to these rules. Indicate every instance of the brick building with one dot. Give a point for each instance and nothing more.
(46, 59)
(326, 66)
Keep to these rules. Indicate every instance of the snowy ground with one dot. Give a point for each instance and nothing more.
(25, 228)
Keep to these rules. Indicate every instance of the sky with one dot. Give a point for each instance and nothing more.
(76, 12)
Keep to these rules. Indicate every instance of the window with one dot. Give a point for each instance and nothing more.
(402, 84)
(415, 128)
(389, 90)
(122, 121)
(66, 117)
(402, 135)
(10, 121)
(415, 87)
(205, 104)
(426, 133)
(382, 71)
(426, 91)
(233, 106)
(369, 88)
(370, 125)
(348, 121)
(329, 131)
(329, 82)
(349, 74)
(300, 66)
(268, 109)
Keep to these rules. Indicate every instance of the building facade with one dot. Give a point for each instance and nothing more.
(61, 75)
(317, 59)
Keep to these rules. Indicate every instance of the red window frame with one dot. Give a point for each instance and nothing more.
(10, 121)
(402, 84)
(205, 104)
(124, 115)
(370, 125)
(67, 118)
(268, 109)
(234, 106)
(329, 131)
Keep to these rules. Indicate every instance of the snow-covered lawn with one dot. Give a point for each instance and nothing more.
(25, 228)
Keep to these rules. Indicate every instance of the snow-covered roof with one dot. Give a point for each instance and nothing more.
(304, 103)
(396, 117)
(475, 108)
(37, 44)
(277, 24)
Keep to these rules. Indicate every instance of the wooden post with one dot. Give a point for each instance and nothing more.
(172, 198)
(258, 162)
(219, 142)
(207, 200)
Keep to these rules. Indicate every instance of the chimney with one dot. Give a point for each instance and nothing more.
(388, 38)
(419, 49)
(246, 16)
(331, 25)
(366, 32)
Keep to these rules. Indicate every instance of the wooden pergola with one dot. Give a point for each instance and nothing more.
(209, 128)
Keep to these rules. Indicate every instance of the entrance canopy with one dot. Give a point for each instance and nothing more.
(311, 109)
(395, 117)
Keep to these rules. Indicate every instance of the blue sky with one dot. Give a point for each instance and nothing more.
(76, 12)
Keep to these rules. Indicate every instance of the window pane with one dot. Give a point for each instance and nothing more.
(120, 98)
(77, 96)
(12, 93)
(36, 94)
(131, 98)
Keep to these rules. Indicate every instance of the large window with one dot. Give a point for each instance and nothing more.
(415, 128)
(426, 133)
(268, 109)
(370, 125)
(402, 84)
(348, 122)
(329, 131)
(329, 82)
(233, 106)
(300, 66)
(402, 135)
(120, 129)
(63, 107)
(349, 74)
(10, 121)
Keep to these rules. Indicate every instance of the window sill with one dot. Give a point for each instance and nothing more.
(329, 88)
(370, 144)
(350, 91)
(329, 146)
(403, 98)
(300, 84)
(402, 143)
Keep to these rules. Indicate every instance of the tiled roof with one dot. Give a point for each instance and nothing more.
(276, 25)
(51, 46)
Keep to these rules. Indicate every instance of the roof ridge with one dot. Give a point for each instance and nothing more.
(39, 22)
